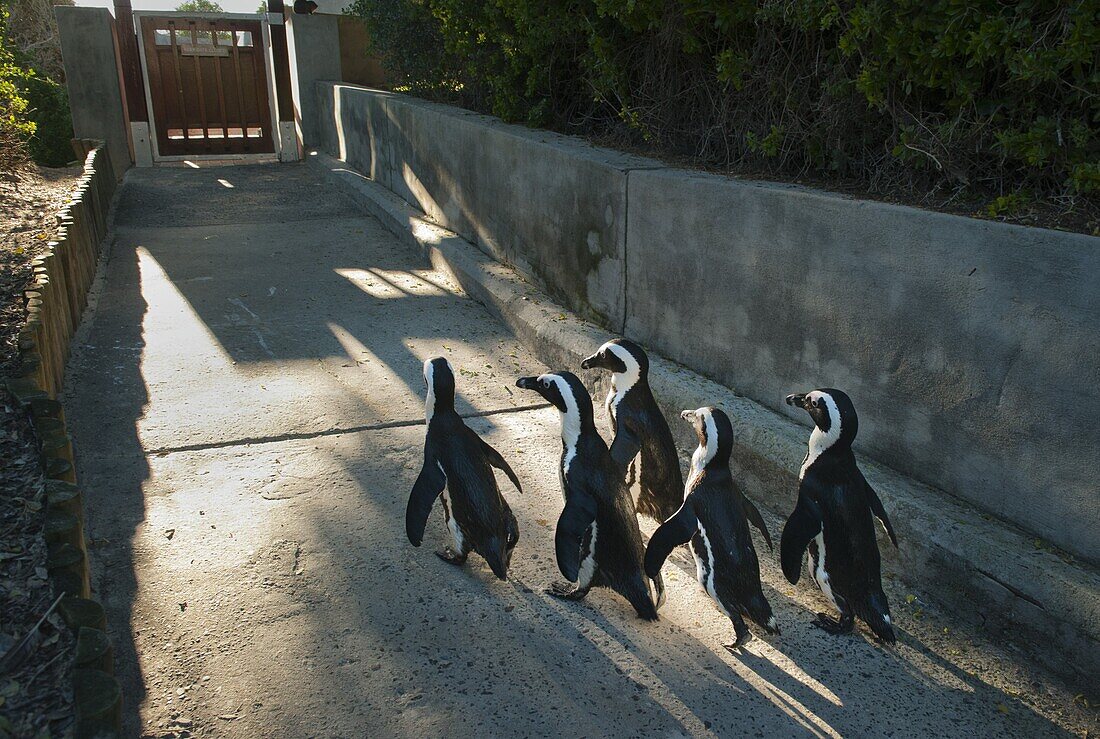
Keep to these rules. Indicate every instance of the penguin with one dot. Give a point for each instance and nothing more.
(640, 430)
(597, 541)
(714, 518)
(833, 520)
(458, 464)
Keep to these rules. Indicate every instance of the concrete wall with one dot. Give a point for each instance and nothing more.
(90, 53)
(313, 43)
(551, 206)
(970, 348)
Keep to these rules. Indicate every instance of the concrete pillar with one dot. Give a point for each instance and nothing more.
(90, 52)
(314, 43)
(288, 148)
(133, 84)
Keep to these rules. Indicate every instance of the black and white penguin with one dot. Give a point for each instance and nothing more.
(458, 464)
(597, 541)
(833, 519)
(642, 437)
(714, 518)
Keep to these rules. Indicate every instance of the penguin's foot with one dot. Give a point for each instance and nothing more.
(843, 625)
(742, 635)
(565, 591)
(735, 647)
(450, 556)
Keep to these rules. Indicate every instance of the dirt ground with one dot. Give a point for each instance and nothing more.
(31, 199)
(34, 690)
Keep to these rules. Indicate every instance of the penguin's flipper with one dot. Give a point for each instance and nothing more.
(625, 447)
(498, 461)
(672, 533)
(879, 511)
(576, 517)
(803, 525)
(427, 488)
(753, 514)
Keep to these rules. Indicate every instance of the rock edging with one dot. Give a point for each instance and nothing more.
(54, 304)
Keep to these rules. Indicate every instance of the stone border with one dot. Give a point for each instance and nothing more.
(54, 305)
(982, 569)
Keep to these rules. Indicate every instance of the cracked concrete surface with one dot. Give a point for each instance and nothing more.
(245, 406)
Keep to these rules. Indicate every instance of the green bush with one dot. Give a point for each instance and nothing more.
(931, 99)
(48, 103)
(35, 108)
(15, 128)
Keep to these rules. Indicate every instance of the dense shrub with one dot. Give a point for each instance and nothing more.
(29, 39)
(938, 101)
(48, 104)
(15, 129)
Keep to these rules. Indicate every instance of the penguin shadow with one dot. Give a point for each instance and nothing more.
(604, 663)
(663, 665)
(798, 682)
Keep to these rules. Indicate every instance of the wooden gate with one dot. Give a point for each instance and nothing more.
(207, 85)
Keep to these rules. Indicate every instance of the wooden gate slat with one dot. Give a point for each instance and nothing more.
(186, 119)
(198, 82)
(221, 89)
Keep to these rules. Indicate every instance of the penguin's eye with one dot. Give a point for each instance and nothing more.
(546, 384)
(813, 403)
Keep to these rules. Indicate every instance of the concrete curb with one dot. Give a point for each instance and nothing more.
(54, 305)
(982, 569)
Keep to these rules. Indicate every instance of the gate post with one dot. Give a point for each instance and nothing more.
(280, 58)
(133, 86)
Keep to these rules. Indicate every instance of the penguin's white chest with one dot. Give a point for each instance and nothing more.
(817, 569)
(611, 404)
(588, 566)
(704, 567)
(634, 469)
(452, 523)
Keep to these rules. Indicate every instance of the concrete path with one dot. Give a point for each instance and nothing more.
(244, 407)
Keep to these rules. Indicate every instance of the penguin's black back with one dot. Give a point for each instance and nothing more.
(851, 550)
(661, 479)
(620, 552)
(476, 501)
(716, 501)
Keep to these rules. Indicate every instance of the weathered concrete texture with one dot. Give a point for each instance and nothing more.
(984, 571)
(314, 45)
(91, 71)
(550, 206)
(970, 348)
(264, 588)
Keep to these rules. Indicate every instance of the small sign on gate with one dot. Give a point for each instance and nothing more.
(203, 50)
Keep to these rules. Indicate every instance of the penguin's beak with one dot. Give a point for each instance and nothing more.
(797, 400)
(591, 362)
(528, 383)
